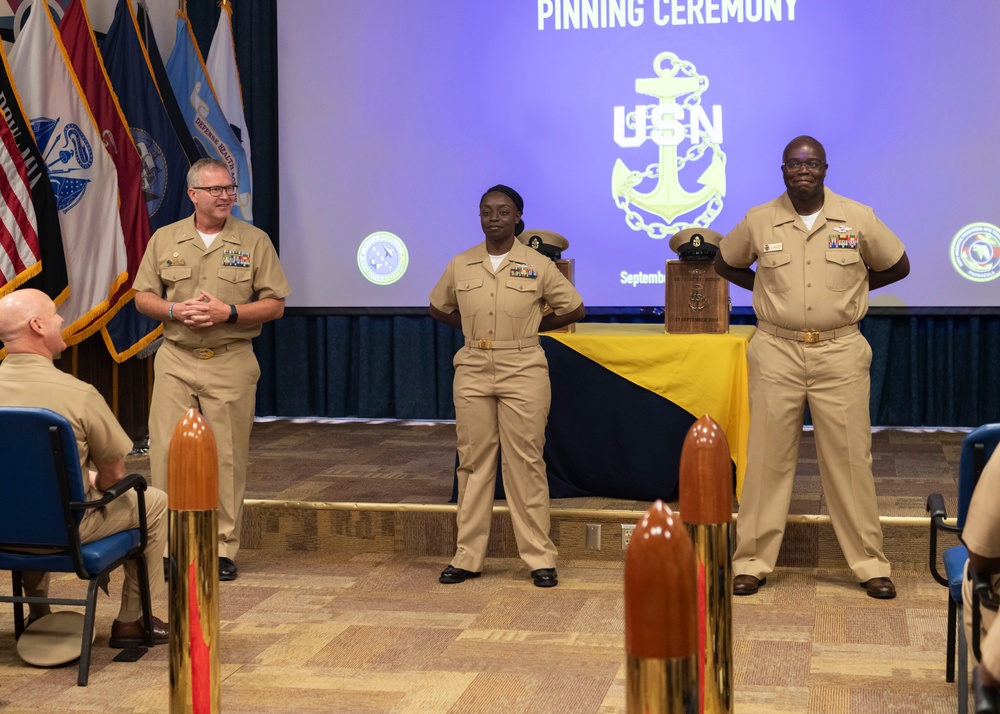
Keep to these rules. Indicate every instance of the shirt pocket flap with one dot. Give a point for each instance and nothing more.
(843, 257)
(775, 260)
(234, 275)
(175, 273)
(523, 286)
(469, 284)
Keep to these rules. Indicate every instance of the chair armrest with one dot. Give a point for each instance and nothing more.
(982, 585)
(935, 506)
(132, 481)
(938, 513)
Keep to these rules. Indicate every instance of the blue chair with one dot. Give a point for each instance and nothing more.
(42, 507)
(977, 448)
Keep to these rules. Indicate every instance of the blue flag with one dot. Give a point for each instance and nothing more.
(192, 149)
(205, 120)
(164, 165)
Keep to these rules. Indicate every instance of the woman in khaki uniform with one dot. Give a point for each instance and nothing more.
(495, 293)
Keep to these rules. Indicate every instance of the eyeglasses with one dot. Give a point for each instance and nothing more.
(216, 191)
(811, 164)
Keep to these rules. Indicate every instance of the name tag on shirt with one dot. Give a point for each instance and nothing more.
(772, 247)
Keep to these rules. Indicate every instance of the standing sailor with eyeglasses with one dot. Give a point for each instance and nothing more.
(818, 255)
(213, 280)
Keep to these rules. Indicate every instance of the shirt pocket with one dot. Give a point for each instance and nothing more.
(520, 296)
(234, 285)
(775, 270)
(174, 274)
(842, 269)
(469, 294)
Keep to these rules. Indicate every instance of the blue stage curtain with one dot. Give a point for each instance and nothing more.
(927, 370)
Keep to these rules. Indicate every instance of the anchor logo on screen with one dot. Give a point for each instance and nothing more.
(664, 123)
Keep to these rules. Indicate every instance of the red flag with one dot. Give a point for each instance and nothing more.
(78, 38)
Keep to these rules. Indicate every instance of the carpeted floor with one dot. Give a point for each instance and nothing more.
(325, 630)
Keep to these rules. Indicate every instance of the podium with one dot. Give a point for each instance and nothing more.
(697, 298)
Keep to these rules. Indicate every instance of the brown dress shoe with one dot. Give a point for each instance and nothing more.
(130, 634)
(747, 584)
(882, 588)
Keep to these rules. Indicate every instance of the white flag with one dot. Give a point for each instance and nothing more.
(80, 168)
(225, 78)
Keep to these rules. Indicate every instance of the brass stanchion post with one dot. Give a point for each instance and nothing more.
(661, 610)
(706, 505)
(193, 497)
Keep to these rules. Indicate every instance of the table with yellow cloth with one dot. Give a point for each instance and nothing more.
(623, 399)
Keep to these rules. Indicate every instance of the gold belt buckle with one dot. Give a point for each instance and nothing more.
(485, 344)
(810, 337)
(204, 353)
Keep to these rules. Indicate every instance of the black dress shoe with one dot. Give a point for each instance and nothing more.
(227, 569)
(452, 575)
(545, 577)
(130, 634)
(881, 588)
(747, 584)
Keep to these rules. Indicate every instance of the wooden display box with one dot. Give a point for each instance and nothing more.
(697, 298)
(566, 268)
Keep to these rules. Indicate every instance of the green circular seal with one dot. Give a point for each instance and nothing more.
(383, 258)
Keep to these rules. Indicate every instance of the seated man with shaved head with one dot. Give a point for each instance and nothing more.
(30, 329)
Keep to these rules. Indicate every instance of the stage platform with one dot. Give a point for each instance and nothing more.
(351, 486)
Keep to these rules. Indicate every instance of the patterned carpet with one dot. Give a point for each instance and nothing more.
(336, 628)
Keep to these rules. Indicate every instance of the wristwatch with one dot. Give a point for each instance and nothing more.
(231, 320)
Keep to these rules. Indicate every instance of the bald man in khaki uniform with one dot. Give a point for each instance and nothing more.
(495, 293)
(212, 280)
(818, 255)
(981, 536)
(30, 328)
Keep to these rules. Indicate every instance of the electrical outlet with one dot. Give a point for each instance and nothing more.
(627, 534)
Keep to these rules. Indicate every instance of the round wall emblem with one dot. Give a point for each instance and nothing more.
(975, 252)
(383, 258)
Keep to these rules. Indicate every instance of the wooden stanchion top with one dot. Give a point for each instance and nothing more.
(193, 466)
(661, 588)
(706, 475)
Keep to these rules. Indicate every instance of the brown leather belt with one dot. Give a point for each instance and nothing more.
(502, 344)
(808, 336)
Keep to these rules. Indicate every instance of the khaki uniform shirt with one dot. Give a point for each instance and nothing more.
(811, 280)
(507, 305)
(28, 380)
(240, 266)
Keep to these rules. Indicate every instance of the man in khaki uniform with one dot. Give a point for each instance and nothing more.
(981, 536)
(495, 293)
(213, 280)
(30, 328)
(818, 255)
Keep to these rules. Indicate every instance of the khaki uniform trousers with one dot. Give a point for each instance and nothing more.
(224, 390)
(502, 398)
(833, 377)
(990, 650)
(122, 514)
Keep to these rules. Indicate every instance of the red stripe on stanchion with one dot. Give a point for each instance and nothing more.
(201, 671)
